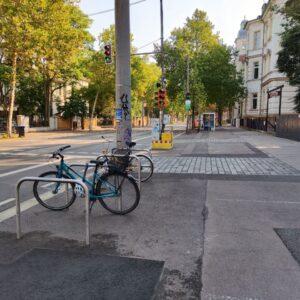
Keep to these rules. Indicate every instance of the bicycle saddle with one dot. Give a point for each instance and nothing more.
(130, 145)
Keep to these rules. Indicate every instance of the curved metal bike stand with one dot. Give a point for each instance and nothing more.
(140, 151)
(43, 179)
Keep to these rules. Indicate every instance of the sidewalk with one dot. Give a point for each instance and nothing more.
(244, 256)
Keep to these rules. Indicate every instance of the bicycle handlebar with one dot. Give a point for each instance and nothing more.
(64, 148)
(58, 152)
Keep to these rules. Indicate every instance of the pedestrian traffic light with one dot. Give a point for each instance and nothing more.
(107, 54)
(188, 96)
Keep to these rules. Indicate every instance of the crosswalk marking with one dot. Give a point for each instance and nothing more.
(25, 205)
(7, 201)
(24, 169)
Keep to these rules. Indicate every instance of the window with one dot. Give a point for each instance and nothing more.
(257, 38)
(254, 101)
(256, 70)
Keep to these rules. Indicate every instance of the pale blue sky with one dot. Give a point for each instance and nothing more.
(226, 15)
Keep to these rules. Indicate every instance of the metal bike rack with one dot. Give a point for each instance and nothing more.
(143, 150)
(43, 179)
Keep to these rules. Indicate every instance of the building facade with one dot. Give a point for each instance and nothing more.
(257, 47)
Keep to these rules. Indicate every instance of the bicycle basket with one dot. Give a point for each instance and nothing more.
(120, 163)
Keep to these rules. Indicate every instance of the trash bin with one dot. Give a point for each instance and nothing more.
(21, 131)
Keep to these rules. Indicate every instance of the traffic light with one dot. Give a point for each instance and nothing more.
(162, 94)
(161, 98)
(188, 96)
(107, 54)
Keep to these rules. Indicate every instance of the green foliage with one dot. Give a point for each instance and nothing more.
(212, 78)
(5, 78)
(102, 79)
(185, 45)
(30, 96)
(222, 83)
(144, 77)
(75, 106)
(289, 57)
(49, 37)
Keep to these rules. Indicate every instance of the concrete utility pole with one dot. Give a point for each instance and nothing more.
(161, 112)
(123, 80)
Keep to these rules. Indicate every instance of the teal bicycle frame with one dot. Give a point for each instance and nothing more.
(65, 169)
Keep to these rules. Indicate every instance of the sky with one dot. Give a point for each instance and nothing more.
(226, 15)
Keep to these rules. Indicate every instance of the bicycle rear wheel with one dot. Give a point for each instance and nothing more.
(119, 193)
(146, 167)
(52, 195)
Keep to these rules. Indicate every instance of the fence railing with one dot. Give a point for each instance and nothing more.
(288, 126)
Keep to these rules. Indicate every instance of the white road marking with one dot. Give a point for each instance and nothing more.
(7, 201)
(11, 212)
(18, 154)
(258, 201)
(179, 134)
(24, 169)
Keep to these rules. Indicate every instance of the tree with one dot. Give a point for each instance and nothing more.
(101, 90)
(65, 40)
(223, 84)
(144, 77)
(45, 35)
(30, 96)
(100, 94)
(184, 46)
(18, 41)
(289, 57)
(5, 78)
(75, 106)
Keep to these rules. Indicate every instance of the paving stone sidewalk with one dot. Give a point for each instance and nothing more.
(223, 166)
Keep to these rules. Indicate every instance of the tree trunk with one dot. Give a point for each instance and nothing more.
(48, 97)
(12, 96)
(220, 116)
(193, 117)
(93, 110)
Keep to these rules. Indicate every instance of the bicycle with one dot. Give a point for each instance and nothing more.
(115, 190)
(130, 165)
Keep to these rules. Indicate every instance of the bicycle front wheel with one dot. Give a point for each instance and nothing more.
(54, 195)
(119, 193)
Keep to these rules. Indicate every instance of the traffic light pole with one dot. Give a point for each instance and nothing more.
(187, 91)
(161, 112)
(123, 79)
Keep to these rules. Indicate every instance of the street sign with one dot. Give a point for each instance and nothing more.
(167, 119)
(155, 129)
(119, 112)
